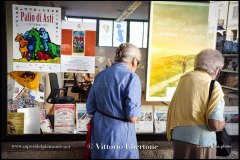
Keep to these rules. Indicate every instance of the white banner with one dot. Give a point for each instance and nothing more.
(78, 64)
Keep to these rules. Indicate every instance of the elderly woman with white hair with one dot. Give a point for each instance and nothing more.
(115, 101)
(192, 118)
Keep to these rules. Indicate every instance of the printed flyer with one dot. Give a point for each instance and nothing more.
(144, 123)
(231, 116)
(64, 118)
(78, 64)
(45, 126)
(25, 99)
(82, 117)
(160, 118)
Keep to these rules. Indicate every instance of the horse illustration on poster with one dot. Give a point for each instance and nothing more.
(36, 45)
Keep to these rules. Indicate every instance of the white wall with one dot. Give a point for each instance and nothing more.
(103, 54)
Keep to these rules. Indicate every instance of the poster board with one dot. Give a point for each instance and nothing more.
(78, 47)
(178, 31)
(36, 38)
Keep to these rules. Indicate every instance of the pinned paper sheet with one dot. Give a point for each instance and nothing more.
(31, 120)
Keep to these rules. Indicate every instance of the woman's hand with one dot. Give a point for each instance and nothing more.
(132, 119)
(216, 125)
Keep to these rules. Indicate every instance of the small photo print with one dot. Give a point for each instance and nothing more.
(148, 116)
(141, 117)
(231, 64)
(231, 118)
(68, 76)
(16, 90)
(78, 42)
(82, 115)
(161, 116)
(40, 87)
(43, 114)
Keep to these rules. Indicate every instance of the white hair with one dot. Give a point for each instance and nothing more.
(209, 60)
(126, 52)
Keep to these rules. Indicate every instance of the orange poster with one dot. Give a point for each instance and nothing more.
(90, 43)
(66, 47)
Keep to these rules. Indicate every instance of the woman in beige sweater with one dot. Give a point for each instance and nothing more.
(192, 119)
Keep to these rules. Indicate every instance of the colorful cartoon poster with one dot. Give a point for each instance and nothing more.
(36, 38)
(105, 33)
(25, 99)
(144, 123)
(15, 123)
(82, 117)
(160, 119)
(78, 42)
(119, 33)
(64, 118)
(178, 31)
(231, 116)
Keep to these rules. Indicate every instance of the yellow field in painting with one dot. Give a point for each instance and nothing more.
(55, 60)
(164, 68)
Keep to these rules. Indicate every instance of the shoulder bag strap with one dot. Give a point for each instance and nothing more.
(211, 89)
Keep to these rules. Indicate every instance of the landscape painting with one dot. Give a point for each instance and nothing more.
(177, 32)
